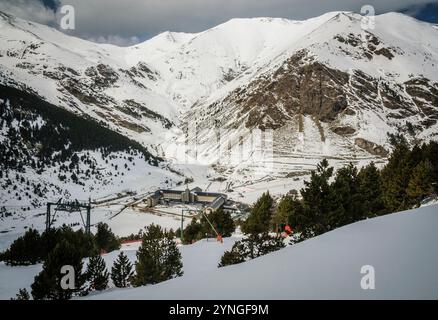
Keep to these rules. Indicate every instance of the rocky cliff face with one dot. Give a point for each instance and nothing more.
(334, 100)
(317, 108)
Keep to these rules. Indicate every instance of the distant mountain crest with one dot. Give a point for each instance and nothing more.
(326, 86)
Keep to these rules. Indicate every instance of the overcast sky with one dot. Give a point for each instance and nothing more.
(125, 22)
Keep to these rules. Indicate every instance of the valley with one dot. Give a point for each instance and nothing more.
(247, 106)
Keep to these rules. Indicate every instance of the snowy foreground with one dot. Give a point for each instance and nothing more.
(401, 247)
(199, 258)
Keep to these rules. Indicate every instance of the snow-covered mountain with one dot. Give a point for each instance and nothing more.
(334, 91)
(326, 86)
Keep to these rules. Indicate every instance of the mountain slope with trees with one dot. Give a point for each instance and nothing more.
(45, 151)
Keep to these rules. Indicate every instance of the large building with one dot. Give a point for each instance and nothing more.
(210, 201)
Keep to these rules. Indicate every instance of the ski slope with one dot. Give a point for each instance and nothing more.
(15, 278)
(401, 247)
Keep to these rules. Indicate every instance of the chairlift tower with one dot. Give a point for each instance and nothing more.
(69, 206)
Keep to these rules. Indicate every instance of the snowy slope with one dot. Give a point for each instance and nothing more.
(401, 248)
(84, 77)
(210, 251)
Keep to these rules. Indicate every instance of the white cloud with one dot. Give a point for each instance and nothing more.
(116, 40)
(125, 21)
(149, 17)
(29, 10)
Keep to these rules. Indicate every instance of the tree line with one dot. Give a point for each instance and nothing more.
(330, 199)
(158, 259)
(40, 135)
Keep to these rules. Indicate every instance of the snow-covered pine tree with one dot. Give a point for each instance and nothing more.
(97, 274)
(121, 271)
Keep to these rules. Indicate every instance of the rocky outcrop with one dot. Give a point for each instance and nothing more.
(425, 95)
(304, 87)
(297, 87)
(367, 46)
(371, 147)
(343, 131)
(138, 111)
(102, 76)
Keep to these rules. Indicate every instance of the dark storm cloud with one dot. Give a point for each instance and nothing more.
(427, 12)
(42, 11)
(51, 4)
(128, 21)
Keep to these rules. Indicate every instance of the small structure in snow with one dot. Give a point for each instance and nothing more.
(210, 200)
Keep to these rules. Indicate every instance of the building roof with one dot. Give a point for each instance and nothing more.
(172, 191)
(217, 203)
(211, 194)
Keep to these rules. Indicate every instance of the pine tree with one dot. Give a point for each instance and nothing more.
(318, 198)
(222, 222)
(47, 284)
(429, 152)
(347, 206)
(158, 258)
(193, 232)
(266, 243)
(26, 250)
(420, 186)
(106, 240)
(22, 295)
(97, 274)
(82, 241)
(256, 245)
(234, 256)
(395, 179)
(284, 210)
(172, 262)
(121, 271)
(253, 246)
(299, 219)
(260, 217)
(370, 191)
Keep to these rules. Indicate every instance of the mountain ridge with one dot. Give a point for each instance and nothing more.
(325, 86)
